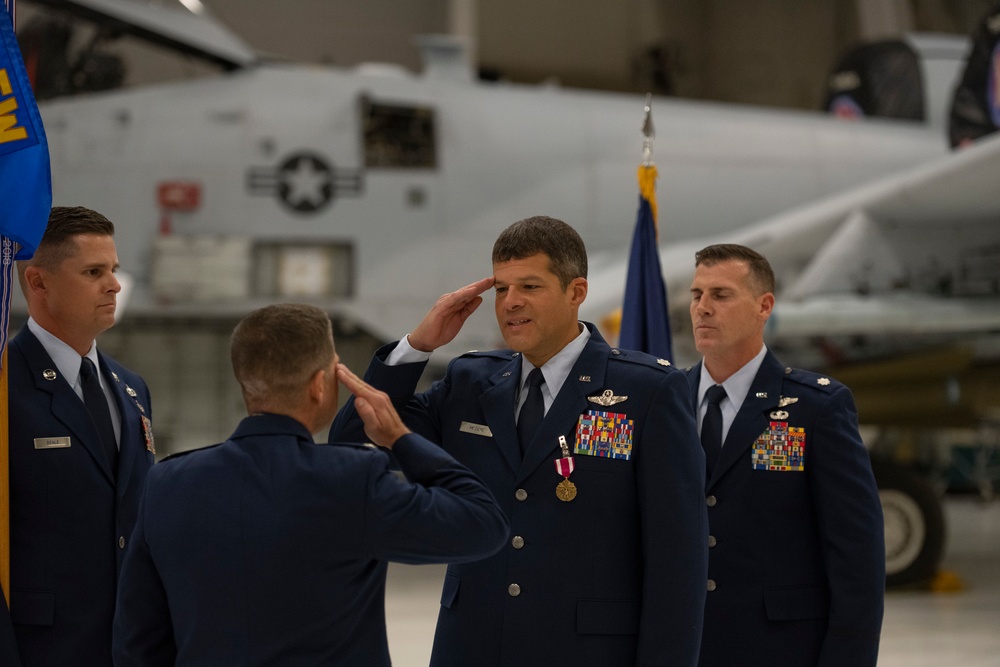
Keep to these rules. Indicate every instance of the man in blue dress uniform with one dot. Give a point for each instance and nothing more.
(591, 451)
(269, 549)
(81, 443)
(796, 557)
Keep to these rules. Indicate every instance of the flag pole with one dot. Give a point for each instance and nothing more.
(4, 483)
(4, 416)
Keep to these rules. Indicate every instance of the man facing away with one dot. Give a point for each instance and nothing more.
(591, 451)
(81, 444)
(797, 555)
(269, 549)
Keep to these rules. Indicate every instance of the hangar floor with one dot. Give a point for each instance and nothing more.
(921, 629)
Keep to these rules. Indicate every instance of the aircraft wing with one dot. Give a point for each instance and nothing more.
(176, 29)
(915, 254)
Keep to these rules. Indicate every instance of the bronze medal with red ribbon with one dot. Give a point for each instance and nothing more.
(565, 490)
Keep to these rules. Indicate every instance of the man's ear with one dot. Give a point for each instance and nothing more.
(317, 386)
(34, 280)
(766, 305)
(578, 290)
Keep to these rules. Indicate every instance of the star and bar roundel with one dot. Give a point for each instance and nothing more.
(305, 182)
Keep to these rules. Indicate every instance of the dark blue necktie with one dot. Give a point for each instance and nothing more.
(533, 409)
(711, 427)
(97, 405)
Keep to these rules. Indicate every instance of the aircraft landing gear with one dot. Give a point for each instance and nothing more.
(914, 524)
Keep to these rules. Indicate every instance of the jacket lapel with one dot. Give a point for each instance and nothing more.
(498, 403)
(66, 405)
(752, 419)
(131, 425)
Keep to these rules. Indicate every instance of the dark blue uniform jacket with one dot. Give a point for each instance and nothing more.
(797, 562)
(70, 517)
(271, 550)
(613, 578)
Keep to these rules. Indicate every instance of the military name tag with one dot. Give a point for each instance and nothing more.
(475, 429)
(52, 443)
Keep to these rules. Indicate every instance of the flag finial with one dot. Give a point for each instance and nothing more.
(648, 132)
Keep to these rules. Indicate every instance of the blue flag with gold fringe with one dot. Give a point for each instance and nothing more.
(645, 325)
(25, 180)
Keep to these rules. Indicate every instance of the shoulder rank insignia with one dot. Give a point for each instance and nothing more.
(823, 381)
(663, 362)
(787, 400)
(607, 398)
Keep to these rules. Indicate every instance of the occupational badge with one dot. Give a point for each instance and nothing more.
(781, 447)
(779, 414)
(565, 490)
(787, 400)
(607, 399)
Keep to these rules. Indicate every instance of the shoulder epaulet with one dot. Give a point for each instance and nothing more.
(811, 379)
(366, 446)
(506, 355)
(178, 455)
(641, 358)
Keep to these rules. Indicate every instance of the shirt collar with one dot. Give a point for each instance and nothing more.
(556, 370)
(66, 359)
(736, 385)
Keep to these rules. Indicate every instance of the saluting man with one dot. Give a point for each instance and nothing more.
(592, 453)
(796, 545)
(81, 443)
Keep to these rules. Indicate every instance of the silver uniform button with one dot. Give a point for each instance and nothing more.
(121, 542)
(711, 541)
(521, 494)
(513, 590)
(517, 542)
(710, 501)
(711, 584)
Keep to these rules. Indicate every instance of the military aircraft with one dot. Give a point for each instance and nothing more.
(373, 190)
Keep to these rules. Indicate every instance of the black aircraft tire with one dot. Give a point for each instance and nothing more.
(914, 524)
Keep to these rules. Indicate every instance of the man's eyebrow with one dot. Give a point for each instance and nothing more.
(522, 279)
